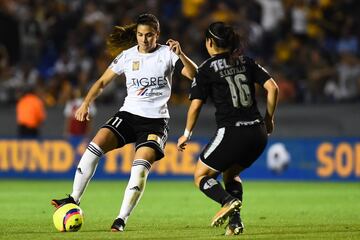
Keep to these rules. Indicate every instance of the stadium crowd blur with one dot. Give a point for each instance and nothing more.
(56, 47)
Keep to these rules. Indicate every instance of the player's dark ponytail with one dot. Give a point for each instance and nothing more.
(121, 38)
(124, 37)
(225, 36)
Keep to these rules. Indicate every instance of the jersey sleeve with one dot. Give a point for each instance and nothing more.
(174, 58)
(118, 64)
(260, 74)
(199, 87)
(178, 67)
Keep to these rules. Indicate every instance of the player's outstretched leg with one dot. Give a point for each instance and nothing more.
(235, 225)
(59, 202)
(84, 172)
(118, 225)
(227, 209)
(133, 192)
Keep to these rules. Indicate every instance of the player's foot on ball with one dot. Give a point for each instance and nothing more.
(235, 225)
(59, 202)
(118, 225)
(221, 216)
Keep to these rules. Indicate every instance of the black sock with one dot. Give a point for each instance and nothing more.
(213, 189)
(235, 189)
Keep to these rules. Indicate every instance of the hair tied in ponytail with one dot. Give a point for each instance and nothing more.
(235, 54)
(121, 38)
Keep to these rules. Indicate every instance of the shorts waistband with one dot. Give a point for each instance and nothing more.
(247, 123)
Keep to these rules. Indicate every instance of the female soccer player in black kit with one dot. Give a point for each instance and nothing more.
(229, 78)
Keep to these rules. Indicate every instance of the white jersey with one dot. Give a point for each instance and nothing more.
(148, 80)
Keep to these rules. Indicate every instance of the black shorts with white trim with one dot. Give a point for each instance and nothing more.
(235, 145)
(149, 132)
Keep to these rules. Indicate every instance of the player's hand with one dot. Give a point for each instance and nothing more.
(174, 46)
(82, 113)
(182, 143)
(269, 124)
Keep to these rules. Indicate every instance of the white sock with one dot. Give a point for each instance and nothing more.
(85, 170)
(135, 188)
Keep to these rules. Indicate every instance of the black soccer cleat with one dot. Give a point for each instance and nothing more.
(60, 202)
(118, 225)
(235, 225)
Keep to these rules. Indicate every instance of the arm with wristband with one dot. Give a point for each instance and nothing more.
(192, 116)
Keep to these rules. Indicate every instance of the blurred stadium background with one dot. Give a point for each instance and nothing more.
(311, 47)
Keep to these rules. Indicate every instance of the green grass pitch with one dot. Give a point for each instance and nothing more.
(177, 210)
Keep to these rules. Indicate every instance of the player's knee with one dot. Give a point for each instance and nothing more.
(106, 140)
(197, 179)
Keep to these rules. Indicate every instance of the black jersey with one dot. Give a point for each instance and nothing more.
(231, 88)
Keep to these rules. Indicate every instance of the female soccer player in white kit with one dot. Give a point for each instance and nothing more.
(143, 118)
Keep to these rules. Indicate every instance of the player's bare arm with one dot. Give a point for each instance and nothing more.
(189, 69)
(192, 116)
(272, 96)
(82, 113)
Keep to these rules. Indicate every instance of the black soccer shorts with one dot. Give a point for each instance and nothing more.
(241, 145)
(130, 128)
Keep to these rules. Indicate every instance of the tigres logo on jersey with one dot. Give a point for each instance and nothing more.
(135, 65)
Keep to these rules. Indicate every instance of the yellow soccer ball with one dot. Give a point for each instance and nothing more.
(68, 218)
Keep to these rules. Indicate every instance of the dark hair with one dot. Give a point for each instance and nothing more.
(149, 20)
(124, 37)
(225, 37)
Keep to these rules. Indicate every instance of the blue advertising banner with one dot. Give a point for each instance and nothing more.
(283, 159)
(309, 159)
